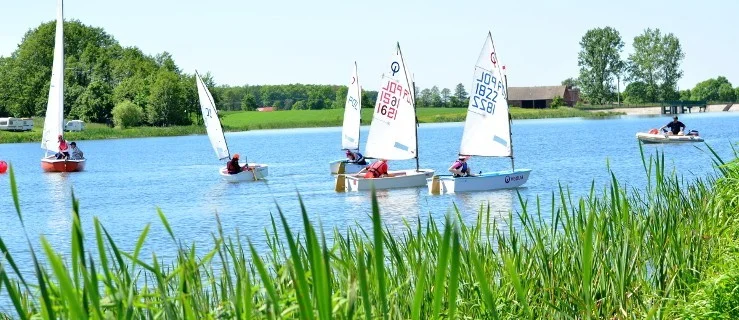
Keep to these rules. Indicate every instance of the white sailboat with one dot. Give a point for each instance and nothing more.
(393, 132)
(487, 130)
(218, 139)
(350, 135)
(54, 122)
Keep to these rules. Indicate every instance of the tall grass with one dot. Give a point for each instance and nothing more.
(619, 253)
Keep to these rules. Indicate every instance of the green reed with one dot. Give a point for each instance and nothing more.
(618, 253)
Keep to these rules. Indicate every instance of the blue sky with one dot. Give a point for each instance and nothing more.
(279, 42)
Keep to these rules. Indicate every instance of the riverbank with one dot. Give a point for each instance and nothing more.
(620, 253)
(253, 120)
(658, 110)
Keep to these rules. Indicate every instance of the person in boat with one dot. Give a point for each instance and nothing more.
(375, 170)
(63, 148)
(233, 166)
(355, 158)
(676, 127)
(75, 153)
(460, 168)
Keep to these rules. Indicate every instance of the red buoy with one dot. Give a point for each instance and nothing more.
(3, 166)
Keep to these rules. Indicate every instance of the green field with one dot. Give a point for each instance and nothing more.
(254, 120)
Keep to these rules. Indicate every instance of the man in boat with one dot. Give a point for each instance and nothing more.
(63, 148)
(233, 166)
(76, 153)
(355, 158)
(460, 168)
(676, 127)
(375, 170)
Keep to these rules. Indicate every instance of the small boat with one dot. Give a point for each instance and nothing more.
(350, 130)
(54, 122)
(487, 130)
(218, 139)
(393, 134)
(653, 136)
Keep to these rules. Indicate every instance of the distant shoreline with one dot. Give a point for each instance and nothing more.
(238, 121)
(658, 110)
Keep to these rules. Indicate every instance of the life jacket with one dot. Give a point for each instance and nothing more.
(462, 166)
(233, 168)
(373, 171)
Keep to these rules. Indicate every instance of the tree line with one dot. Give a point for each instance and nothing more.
(105, 81)
(651, 72)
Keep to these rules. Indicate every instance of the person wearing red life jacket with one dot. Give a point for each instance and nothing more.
(375, 170)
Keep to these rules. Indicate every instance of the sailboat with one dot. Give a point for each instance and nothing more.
(393, 134)
(218, 139)
(350, 131)
(487, 130)
(54, 122)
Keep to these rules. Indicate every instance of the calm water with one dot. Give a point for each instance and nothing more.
(127, 179)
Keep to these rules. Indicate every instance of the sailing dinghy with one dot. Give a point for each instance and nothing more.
(218, 139)
(350, 130)
(393, 134)
(487, 130)
(54, 122)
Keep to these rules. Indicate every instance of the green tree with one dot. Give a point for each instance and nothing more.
(709, 90)
(599, 61)
(435, 97)
(445, 94)
(95, 103)
(127, 114)
(249, 103)
(685, 94)
(656, 63)
(570, 82)
(726, 92)
(460, 92)
(166, 102)
(736, 94)
(636, 92)
(340, 100)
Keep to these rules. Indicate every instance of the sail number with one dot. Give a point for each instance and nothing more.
(389, 99)
(486, 91)
(353, 102)
(207, 111)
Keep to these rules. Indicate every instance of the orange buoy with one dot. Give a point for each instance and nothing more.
(3, 166)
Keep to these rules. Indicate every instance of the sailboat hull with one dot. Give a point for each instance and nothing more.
(400, 179)
(349, 168)
(260, 170)
(662, 138)
(52, 164)
(482, 182)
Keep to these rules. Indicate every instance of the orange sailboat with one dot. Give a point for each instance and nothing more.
(54, 123)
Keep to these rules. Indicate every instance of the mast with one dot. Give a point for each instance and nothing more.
(413, 96)
(359, 101)
(510, 127)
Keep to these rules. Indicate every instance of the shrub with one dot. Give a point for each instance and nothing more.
(127, 114)
(557, 102)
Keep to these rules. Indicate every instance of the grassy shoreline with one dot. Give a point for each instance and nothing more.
(244, 121)
(619, 253)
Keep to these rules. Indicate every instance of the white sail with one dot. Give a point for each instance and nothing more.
(487, 129)
(53, 124)
(392, 134)
(211, 120)
(352, 114)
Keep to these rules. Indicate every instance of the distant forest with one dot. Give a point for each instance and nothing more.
(101, 75)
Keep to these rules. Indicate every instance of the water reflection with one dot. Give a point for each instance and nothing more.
(57, 216)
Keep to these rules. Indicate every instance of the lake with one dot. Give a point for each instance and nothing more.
(126, 180)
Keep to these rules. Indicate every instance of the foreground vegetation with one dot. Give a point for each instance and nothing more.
(253, 120)
(621, 253)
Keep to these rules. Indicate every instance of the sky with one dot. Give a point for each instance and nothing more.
(316, 42)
